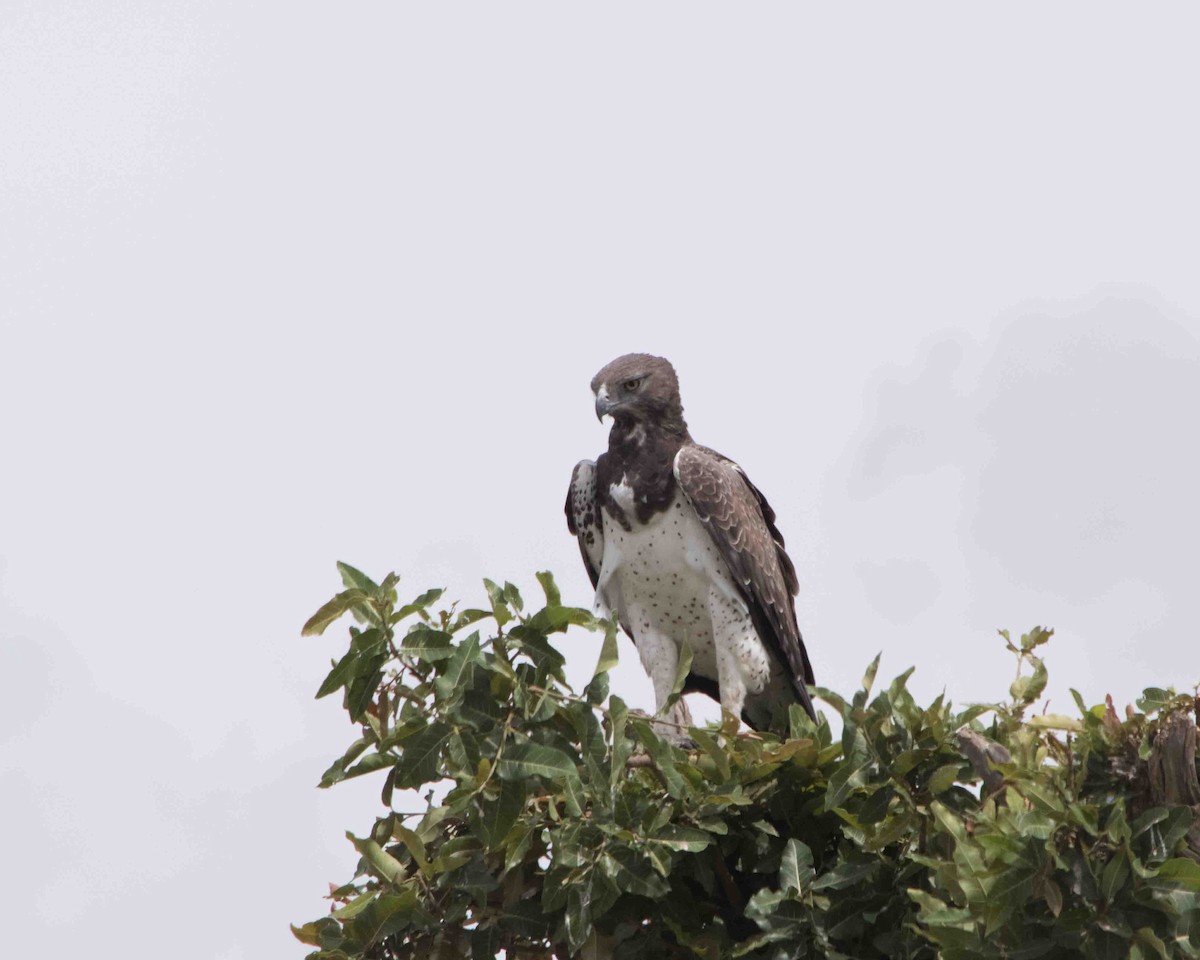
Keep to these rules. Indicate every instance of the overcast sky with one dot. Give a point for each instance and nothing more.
(285, 284)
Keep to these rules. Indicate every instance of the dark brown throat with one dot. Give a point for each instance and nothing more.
(642, 454)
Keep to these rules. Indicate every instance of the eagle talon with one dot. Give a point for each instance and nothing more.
(670, 730)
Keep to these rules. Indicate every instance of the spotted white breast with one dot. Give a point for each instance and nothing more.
(667, 583)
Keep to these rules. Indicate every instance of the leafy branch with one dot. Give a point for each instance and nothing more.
(562, 824)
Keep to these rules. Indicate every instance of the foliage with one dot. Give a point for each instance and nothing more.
(563, 824)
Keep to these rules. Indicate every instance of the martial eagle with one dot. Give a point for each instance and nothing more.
(681, 546)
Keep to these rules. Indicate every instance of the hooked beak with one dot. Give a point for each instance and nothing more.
(603, 404)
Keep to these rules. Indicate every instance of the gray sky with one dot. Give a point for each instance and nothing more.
(283, 284)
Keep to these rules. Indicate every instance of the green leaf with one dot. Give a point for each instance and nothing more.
(356, 906)
(500, 610)
(1053, 897)
(608, 650)
(1046, 800)
(851, 773)
(796, 868)
(332, 611)
(686, 839)
(498, 816)
(846, 874)
(354, 579)
(631, 874)
(764, 906)
(682, 669)
(512, 596)
(468, 617)
(1146, 936)
(310, 933)
(1154, 698)
(386, 915)
(1147, 819)
(415, 846)
(597, 689)
(1028, 689)
(549, 588)
(362, 659)
(1175, 827)
(835, 700)
(936, 913)
(577, 920)
(457, 671)
(1116, 872)
(1117, 827)
(1009, 890)
(423, 601)
(663, 757)
(535, 760)
(382, 863)
(618, 715)
(1056, 721)
(369, 764)
(360, 692)
(520, 844)
(557, 619)
(1182, 871)
(389, 787)
(534, 645)
(868, 679)
(1035, 638)
(710, 746)
(943, 778)
(420, 753)
(422, 642)
(337, 770)
(949, 821)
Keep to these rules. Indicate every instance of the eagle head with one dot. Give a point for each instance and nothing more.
(639, 387)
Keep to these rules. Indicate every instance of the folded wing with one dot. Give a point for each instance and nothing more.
(742, 525)
(583, 517)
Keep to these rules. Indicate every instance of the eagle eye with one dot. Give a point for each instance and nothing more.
(630, 385)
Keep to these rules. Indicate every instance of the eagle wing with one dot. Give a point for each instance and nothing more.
(583, 517)
(742, 525)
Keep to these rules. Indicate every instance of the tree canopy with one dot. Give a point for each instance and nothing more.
(558, 823)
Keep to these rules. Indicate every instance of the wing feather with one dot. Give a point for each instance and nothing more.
(584, 520)
(583, 517)
(742, 525)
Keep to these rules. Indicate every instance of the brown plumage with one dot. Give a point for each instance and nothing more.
(682, 547)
